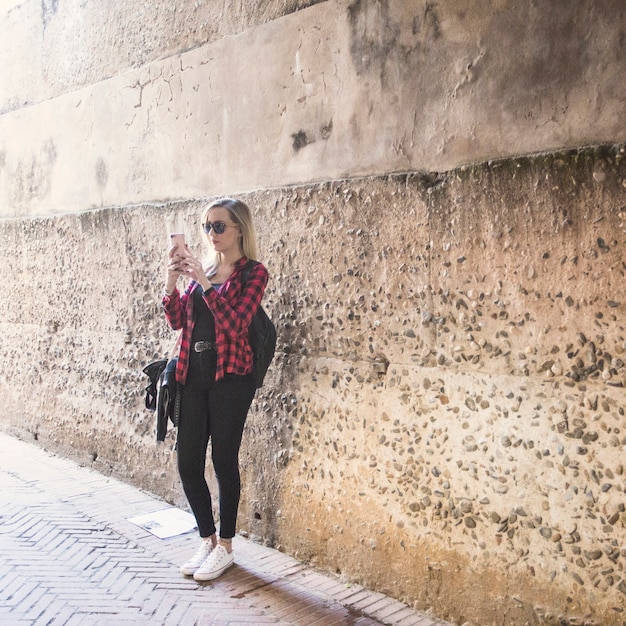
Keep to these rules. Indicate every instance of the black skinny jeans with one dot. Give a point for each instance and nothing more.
(217, 410)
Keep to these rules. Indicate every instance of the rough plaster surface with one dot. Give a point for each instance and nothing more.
(444, 419)
(335, 90)
(51, 47)
(457, 419)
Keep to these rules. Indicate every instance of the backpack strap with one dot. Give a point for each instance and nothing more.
(245, 275)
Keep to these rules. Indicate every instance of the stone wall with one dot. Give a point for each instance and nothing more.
(443, 421)
(102, 116)
(456, 426)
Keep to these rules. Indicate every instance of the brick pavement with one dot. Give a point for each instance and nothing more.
(69, 556)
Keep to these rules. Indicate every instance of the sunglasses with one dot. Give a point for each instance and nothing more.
(218, 227)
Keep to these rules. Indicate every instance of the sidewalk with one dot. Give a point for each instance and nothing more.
(68, 556)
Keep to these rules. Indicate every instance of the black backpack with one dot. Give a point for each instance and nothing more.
(262, 336)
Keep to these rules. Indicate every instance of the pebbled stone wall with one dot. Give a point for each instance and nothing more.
(444, 419)
(454, 429)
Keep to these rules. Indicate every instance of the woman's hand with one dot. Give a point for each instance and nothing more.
(175, 267)
(192, 267)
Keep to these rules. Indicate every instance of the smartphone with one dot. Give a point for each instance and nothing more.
(178, 240)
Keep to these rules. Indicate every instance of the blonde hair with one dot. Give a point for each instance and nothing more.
(241, 215)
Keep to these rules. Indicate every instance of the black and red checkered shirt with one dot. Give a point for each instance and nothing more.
(233, 306)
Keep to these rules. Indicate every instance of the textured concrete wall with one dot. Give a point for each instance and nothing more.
(444, 418)
(456, 425)
(337, 90)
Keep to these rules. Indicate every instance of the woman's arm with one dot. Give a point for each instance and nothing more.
(174, 307)
(173, 304)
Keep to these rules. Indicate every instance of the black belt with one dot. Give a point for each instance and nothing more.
(202, 346)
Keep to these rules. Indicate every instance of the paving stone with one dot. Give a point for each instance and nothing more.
(94, 568)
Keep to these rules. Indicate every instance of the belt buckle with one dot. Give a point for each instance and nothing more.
(201, 346)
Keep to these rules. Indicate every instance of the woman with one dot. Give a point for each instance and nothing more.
(215, 369)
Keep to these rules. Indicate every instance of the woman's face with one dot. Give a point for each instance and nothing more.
(230, 239)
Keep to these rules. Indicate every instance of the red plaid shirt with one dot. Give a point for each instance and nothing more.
(233, 306)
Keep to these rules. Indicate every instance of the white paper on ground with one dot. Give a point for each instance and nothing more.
(166, 522)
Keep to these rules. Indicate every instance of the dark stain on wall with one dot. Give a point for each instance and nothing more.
(428, 24)
(102, 173)
(326, 130)
(48, 11)
(300, 140)
(377, 42)
(564, 38)
(50, 151)
(373, 35)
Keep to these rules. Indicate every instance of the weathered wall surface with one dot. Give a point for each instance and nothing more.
(456, 427)
(444, 420)
(337, 90)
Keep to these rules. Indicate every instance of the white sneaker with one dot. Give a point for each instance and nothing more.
(215, 565)
(190, 567)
